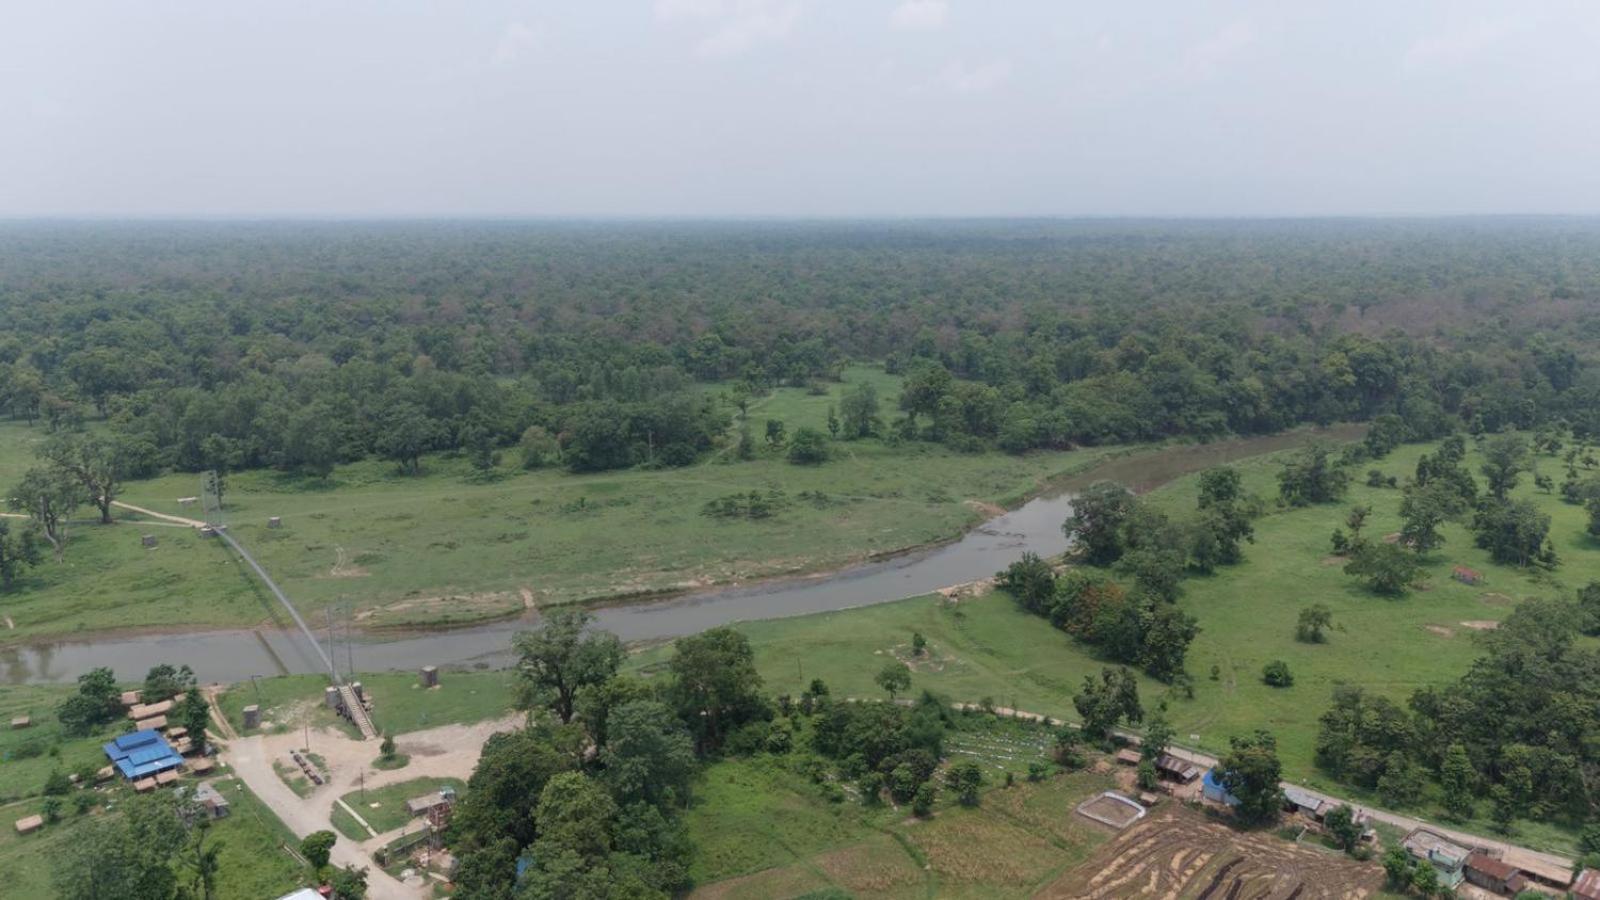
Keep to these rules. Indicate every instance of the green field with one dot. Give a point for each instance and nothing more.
(450, 548)
(389, 812)
(399, 704)
(762, 830)
(253, 865)
(988, 648)
(29, 755)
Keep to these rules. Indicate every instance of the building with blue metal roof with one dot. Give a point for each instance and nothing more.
(141, 754)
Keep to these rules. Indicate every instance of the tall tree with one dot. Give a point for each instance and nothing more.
(19, 549)
(1312, 476)
(562, 656)
(1505, 457)
(1104, 703)
(648, 755)
(100, 464)
(715, 684)
(405, 433)
(1514, 532)
(1386, 568)
(858, 408)
(1456, 776)
(1096, 524)
(1251, 772)
(48, 496)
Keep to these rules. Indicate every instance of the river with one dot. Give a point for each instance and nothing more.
(237, 655)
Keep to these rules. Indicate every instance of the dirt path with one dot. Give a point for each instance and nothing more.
(450, 751)
(181, 520)
(218, 720)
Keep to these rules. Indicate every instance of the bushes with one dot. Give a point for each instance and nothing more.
(1277, 674)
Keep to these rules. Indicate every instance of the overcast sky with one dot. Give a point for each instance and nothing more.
(797, 107)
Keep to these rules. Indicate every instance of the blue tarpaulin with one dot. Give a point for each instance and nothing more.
(140, 754)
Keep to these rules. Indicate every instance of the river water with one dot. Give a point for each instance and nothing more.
(236, 655)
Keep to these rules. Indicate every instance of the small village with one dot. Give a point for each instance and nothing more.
(1467, 866)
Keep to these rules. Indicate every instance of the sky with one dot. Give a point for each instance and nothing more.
(797, 108)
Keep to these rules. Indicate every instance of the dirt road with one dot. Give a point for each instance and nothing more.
(448, 751)
(180, 520)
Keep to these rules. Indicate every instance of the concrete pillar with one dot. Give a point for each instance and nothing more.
(252, 717)
(430, 676)
(330, 695)
(275, 522)
(149, 540)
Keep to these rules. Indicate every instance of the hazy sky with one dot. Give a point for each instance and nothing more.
(797, 107)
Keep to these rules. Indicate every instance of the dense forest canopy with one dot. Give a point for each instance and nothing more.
(240, 344)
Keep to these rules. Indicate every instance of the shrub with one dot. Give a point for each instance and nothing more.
(1277, 674)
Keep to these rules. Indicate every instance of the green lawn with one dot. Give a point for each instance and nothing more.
(449, 548)
(389, 812)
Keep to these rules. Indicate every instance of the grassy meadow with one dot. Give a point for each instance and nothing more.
(29, 755)
(452, 547)
(763, 830)
(985, 647)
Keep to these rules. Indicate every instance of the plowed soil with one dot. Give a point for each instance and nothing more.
(1178, 852)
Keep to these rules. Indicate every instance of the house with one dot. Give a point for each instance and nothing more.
(1448, 858)
(1587, 887)
(146, 710)
(1466, 575)
(1175, 769)
(215, 804)
(142, 754)
(1493, 874)
(421, 806)
(154, 723)
(1303, 802)
(201, 766)
(131, 698)
(1214, 791)
(21, 722)
(1542, 868)
(1128, 756)
(29, 824)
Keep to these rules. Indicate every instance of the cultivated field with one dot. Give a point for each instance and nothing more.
(1178, 852)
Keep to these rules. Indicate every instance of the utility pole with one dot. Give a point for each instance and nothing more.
(349, 648)
(331, 650)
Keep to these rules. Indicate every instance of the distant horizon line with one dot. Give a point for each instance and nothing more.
(355, 218)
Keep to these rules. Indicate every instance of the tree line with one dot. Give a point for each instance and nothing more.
(239, 346)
